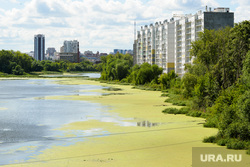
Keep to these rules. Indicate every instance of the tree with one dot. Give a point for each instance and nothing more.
(116, 67)
(18, 70)
(189, 82)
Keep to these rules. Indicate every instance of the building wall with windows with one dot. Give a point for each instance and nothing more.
(168, 44)
(71, 46)
(39, 47)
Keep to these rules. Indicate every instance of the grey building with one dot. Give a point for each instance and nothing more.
(39, 47)
(50, 51)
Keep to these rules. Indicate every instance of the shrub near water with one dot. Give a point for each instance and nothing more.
(176, 111)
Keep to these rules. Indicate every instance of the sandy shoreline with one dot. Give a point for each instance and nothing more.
(167, 144)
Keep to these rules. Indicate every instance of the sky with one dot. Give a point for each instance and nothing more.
(98, 25)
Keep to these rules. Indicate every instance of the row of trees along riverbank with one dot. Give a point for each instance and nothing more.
(216, 86)
(17, 63)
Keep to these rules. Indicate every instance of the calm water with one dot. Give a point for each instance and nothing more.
(28, 121)
(89, 75)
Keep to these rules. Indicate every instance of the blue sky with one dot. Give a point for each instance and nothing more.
(99, 25)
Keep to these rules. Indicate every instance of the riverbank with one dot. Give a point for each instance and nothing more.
(158, 140)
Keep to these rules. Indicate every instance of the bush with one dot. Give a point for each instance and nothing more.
(236, 144)
(194, 114)
(212, 122)
(164, 95)
(211, 139)
(248, 151)
(18, 70)
(222, 142)
(184, 110)
(170, 110)
(179, 103)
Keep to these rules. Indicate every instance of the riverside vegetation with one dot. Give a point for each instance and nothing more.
(16, 63)
(216, 85)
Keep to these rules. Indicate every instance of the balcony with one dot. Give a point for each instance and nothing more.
(188, 32)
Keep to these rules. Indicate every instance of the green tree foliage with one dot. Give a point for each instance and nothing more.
(116, 67)
(6, 58)
(189, 81)
(120, 67)
(219, 82)
(18, 63)
(18, 70)
(145, 73)
(166, 79)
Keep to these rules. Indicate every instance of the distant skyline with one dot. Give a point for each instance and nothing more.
(98, 25)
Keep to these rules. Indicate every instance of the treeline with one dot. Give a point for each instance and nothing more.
(216, 85)
(120, 68)
(18, 63)
(218, 82)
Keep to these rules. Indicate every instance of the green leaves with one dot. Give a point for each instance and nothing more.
(116, 67)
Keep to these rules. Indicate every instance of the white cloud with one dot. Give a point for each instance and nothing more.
(14, 1)
(242, 11)
(98, 24)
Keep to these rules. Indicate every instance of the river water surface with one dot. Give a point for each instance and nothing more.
(28, 121)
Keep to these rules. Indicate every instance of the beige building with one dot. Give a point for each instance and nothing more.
(72, 57)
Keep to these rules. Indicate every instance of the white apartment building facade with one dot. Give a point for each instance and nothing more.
(68, 49)
(155, 45)
(71, 46)
(167, 44)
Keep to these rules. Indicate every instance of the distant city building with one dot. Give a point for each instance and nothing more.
(31, 53)
(92, 57)
(167, 44)
(50, 52)
(39, 47)
(72, 57)
(123, 51)
(71, 47)
(62, 49)
(88, 53)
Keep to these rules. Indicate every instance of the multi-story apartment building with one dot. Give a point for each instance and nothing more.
(39, 47)
(71, 47)
(167, 44)
(188, 28)
(155, 45)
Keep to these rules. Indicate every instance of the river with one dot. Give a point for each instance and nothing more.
(28, 120)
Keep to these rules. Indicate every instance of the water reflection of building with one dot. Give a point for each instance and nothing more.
(147, 124)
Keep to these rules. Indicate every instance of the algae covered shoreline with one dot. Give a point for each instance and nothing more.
(157, 140)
